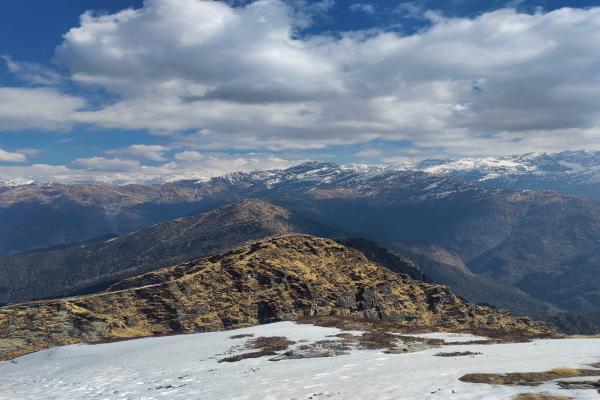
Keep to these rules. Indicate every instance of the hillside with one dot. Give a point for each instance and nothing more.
(446, 268)
(543, 243)
(283, 278)
(94, 266)
(35, 216)
(380, 255)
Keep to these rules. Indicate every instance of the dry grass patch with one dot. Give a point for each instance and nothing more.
(528, 378)
(269, 343)
(377, 340)
(266, 345)
(540, 396)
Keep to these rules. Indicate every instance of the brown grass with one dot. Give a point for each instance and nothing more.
(254, 354)
(376, 340)
(540, 396)
(528, 378)
(267, 346)
(270, 343)
(333, 345)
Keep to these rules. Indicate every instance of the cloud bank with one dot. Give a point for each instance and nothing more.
(212, 76)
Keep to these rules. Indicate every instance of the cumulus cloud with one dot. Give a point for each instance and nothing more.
(186, 165)
(368, 153)
(187, 156)
(6, 156)
(240, 77)
(37, 108)
(106, 164)
(141, 152)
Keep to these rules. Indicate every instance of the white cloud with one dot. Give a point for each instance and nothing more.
(189, 156)
(31, 73)
(37, 108)
(106, 164)
(363, 7)
(241, 78)
(186, 165)
(140, 152)
(6, 156)
(29, 151)
(368, 153)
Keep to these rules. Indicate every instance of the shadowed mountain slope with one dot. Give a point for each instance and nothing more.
(282, 278)
(446, 268)
(94, 266)
(545, 244)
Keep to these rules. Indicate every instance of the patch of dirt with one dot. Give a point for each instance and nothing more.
(241, 336)
(269, 343)
(579, 385)
(540, 396)
(458, 354)
(267, 346)
(513, 335)
(243, 356)
(377, 340)
(528, 378)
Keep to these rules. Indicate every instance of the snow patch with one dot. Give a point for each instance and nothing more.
(186, 367)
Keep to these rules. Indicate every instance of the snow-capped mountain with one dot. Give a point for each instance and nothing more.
(570, 172)
(16, 182)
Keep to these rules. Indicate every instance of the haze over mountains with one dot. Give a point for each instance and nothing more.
(570, 172)
(545, 244)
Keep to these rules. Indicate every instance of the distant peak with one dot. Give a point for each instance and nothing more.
(311, 165)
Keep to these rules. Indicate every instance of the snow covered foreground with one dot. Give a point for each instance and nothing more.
(185, 367)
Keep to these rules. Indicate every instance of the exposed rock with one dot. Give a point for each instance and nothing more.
(580, 385)
(314, 352)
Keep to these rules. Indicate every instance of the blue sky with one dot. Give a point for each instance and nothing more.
(126, 91)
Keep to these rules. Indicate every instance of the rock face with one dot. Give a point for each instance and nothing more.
(95, 266)
(282, 278)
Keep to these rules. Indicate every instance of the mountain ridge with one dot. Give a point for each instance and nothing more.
(94, 266)
(282, 278)
(510, 236)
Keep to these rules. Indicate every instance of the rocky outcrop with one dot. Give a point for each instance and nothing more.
(282, 278)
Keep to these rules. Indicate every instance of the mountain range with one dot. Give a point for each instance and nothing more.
(570, 172)
(545, 245)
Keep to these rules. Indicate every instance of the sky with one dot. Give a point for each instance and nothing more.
(146, 91)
